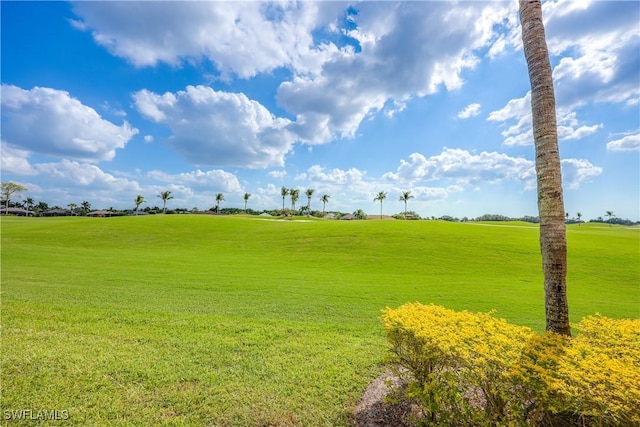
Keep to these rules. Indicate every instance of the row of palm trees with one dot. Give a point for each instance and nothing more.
(404, 197)
(294, 194)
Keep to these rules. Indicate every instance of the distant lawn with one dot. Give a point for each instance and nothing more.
(206, 320)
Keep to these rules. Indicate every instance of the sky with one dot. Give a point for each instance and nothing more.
(104, 101)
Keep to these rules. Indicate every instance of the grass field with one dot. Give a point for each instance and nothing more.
(205, 320)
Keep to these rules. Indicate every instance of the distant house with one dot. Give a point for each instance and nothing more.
(330, 215)
(100, 213)
(348, 217)
(265, 214)
(16, 211)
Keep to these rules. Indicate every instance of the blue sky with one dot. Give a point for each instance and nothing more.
(102, 101)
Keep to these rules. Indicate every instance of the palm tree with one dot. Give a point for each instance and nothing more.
(359, 214)
(42, 207)
(284, 192)
(579, 215)
(28, 203)
(246, 199)
(380, 197)
(219, 198)
(72, 207)
(138, 201)
(86, 207)
(309, 193)
(294, 193)
(406, 195)
(324, 199)
(610, 215)
(9, 189)
(165, 195)
(553, 240)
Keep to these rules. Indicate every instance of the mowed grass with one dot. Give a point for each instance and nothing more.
(220, 321)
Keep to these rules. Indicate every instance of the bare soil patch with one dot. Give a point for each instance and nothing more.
(382, 405)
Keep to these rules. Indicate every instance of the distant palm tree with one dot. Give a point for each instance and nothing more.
(309, 193)
(85, 206)
(42, 207)
(610, 215)
(138, 201)
(219, 198)
(579, 215)
(246, 199)
(359, 214)
(406, 195)
(324, 199)
(28, 203)
(165, 195)
(294, 193)
(284, 192)
(566, 216)
(380, 197)
(72, 207)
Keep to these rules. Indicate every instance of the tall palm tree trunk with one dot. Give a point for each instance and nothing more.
(553, 243)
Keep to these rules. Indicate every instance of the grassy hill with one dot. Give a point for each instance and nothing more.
(206, 320)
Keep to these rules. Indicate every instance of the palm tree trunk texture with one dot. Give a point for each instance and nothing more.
(553, 243)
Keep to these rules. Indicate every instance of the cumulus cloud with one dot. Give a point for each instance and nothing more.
(240, 38)
(577, 171)
(219, 128)
(570, 128)
(277, 174)
(15, 160)
(463, 167)
(470, 110)
(346, 64)
(210, 181)
(598, 58)
(516, 117)
(51, 122)
(68, 173)
(406, 50)
(626, 143)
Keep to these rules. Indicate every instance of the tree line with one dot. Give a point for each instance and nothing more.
(11, 190)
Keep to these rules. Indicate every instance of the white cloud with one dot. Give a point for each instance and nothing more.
(463, 167)
(51, 122)
(15, 160)
(470, 110)
(401, 50)
(578, 171)
(626, 143)
(518, 112)
(569, 126)
(598, 47)
(277, 174)
(219, 128)
(148, 138)
(409, 49)
(209, 181)
(73, 174)
(241, 38)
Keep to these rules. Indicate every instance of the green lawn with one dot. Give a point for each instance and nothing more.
(205, 320)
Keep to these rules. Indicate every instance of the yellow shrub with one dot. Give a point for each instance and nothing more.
(600, 373)
(468, 368)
